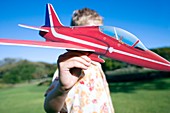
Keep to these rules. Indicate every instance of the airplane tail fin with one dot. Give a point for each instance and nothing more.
(51, 17)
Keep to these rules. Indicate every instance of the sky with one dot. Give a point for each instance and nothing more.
(149, 20)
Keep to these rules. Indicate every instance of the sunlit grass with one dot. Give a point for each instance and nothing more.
(141, 97)
(25, 98)
(129, 97)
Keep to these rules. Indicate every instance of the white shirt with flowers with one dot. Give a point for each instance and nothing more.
(90, 94)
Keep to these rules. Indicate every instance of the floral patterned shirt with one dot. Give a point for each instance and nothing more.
(90, 94)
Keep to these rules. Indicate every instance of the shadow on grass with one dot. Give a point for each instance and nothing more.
(130, 87)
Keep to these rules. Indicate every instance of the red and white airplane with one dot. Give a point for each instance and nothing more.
(108, 41)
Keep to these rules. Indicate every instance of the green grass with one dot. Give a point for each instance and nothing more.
(24, 98)
(141, 97)
(130, 97)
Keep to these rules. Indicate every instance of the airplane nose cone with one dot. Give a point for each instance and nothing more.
(158, 62)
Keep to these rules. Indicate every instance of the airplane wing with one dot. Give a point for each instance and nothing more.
(41, 44)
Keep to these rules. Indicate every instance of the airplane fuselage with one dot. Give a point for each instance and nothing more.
(92, 38)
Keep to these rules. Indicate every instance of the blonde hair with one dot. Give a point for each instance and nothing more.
(87, 17)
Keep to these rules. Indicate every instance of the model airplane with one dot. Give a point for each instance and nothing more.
(108, 41)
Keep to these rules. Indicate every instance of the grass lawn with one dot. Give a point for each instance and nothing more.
(141, 97)
(23, 98)
(129, 97)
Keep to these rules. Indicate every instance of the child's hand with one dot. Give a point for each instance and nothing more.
(70, 67)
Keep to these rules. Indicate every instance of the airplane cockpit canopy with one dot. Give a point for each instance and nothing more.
(123, 36)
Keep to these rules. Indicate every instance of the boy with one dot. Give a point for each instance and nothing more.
(80, 85)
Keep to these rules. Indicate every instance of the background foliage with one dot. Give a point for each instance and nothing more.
(18, 70)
